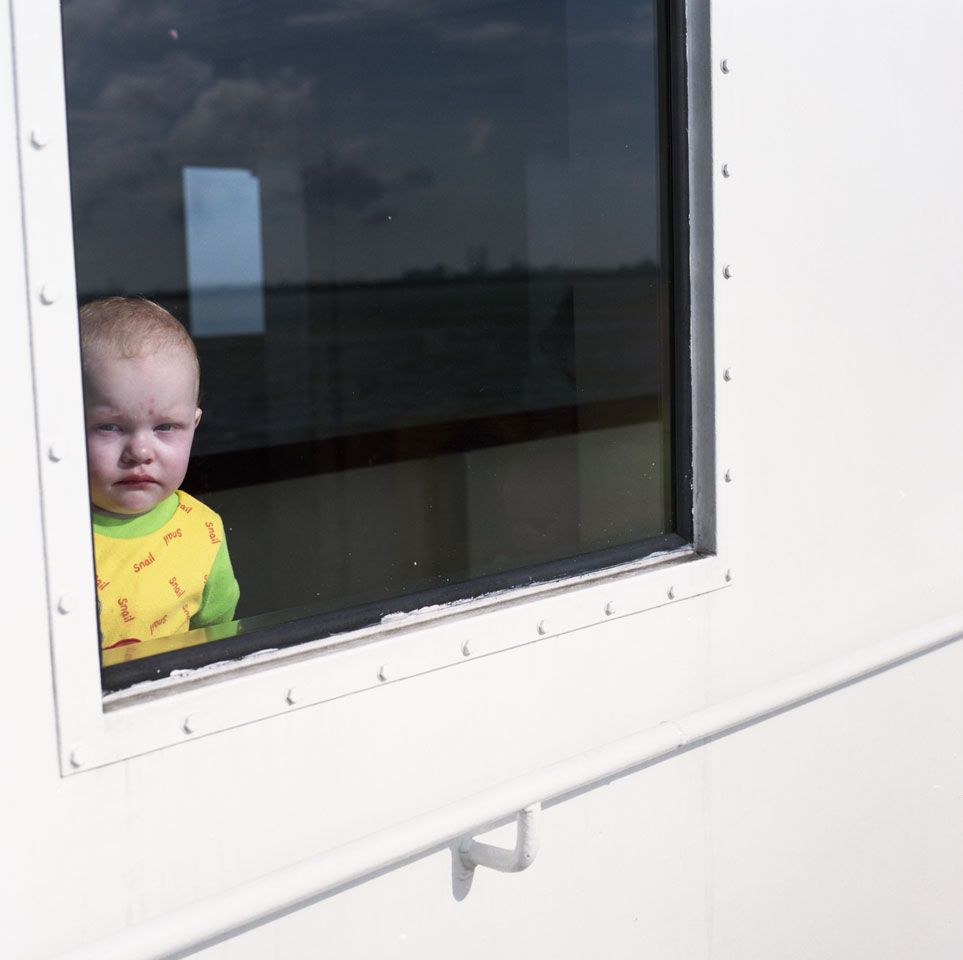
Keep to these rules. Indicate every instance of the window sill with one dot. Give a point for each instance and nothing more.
(195, 703)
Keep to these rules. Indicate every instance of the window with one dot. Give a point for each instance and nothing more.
(446, 340)
(430, 255)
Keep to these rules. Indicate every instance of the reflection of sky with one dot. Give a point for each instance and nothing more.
(387, 135)
(222, 228)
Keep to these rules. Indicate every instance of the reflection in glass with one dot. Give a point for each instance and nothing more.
(222, 229)
(423, 249)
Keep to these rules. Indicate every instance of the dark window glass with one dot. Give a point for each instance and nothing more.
(425, 250)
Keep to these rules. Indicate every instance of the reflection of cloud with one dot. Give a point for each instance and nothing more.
(379, 217)
(346, 12)
(637, 31)
(642, 35)
(154, 93)
(118, 142)
(135, 130)
(99, 18)
(236, 112)
(431, 117)
(354, 147)
(178, 108)
(349, 186)
(479, 131)
(636, 28)
(353, 186)
(486, 32)
(418, 179)
(321, 18)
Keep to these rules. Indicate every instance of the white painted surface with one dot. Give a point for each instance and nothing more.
(219, 917)
(832, 830)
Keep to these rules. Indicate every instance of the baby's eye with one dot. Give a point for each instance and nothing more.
(164, 426)
(106, 426)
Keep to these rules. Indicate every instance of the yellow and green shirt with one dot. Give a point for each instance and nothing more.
(162, 573)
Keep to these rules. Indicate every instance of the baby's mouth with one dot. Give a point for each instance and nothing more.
(136, 480)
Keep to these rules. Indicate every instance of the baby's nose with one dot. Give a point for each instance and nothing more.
(137, 449)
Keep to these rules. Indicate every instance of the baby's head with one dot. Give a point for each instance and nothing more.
(141, 380)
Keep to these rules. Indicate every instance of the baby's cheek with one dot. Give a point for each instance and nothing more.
(100, 453)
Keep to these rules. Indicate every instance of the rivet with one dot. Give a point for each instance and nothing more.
(726, 172)
(724, 66)
(466, 648)
(727, 373)
(39, 137)
(728, 476)
(66, 603)
(78, 757)
(727, 271)
(542, 627)
(190, 723)
(728, 576)
(49, 293)
(671, 593)
(384, 672)
(293, 695)
(57, 451)
(610, 608)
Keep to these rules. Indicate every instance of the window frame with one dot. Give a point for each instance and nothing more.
(95, 729)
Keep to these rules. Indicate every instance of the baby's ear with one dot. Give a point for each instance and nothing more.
(197, 416)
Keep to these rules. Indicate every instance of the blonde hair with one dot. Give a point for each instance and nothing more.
(124, 327)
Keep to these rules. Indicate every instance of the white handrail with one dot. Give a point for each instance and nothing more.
(219, 917)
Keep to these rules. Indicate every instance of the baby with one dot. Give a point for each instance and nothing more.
(161, 556)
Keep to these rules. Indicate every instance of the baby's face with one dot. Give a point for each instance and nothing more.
(141, 413)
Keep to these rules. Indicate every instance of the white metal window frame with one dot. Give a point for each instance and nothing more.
(95, 730)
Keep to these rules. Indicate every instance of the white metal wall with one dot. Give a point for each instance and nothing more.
(833, 829)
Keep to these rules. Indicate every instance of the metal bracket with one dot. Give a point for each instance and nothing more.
(471, 853)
